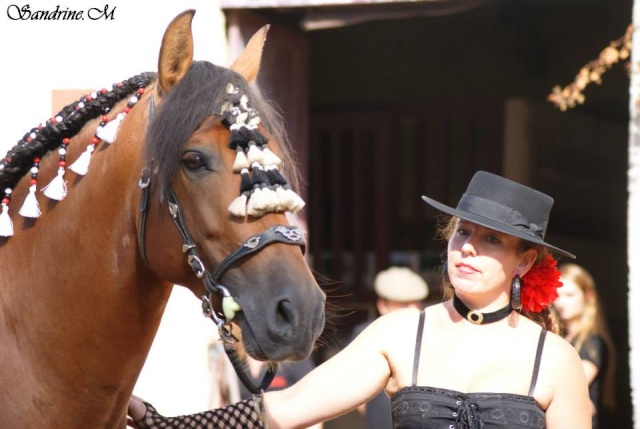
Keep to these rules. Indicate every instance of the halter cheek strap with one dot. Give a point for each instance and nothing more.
(276, 234)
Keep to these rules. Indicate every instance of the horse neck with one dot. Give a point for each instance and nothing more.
(76, 289)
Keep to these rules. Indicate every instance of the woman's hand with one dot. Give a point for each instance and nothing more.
(136, 411)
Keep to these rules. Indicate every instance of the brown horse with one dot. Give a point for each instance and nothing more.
(84, 286)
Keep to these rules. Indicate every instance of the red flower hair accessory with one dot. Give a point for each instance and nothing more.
(540, 285)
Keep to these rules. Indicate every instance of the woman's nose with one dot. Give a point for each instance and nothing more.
(468, 247)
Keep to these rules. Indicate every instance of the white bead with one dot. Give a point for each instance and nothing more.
(62, 151)
(33, 135)
(59, 118)
(8, 191)
(81, 105)
(34, 170)
(133, 99)
(94, 95)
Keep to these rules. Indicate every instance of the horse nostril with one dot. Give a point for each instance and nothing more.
(284, 313)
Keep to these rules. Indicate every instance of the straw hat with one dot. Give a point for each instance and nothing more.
(400, 284)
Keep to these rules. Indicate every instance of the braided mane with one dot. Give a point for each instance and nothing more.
(65, 124)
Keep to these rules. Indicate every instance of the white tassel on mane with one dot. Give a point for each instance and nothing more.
(57, 189)
(254, 154)
(109, 132)
(6, 225)
(257, 203)
(270, 158)
(296, 202)
(81, 165)
(238, 206)
(31, 208)
(241, 161)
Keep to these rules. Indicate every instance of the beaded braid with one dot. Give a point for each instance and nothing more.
(64, 125)
(241, 415)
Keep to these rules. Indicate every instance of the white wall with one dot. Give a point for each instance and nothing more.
(40, 56)
(633, 233)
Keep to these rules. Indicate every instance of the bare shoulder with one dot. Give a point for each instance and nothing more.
(400, 324)
(559, 350)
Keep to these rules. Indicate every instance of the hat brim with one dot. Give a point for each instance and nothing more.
(492, 224)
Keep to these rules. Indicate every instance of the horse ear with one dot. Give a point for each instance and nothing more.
(248, 63)
(176, 52)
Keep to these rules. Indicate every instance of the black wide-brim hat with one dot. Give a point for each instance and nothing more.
(505, 206)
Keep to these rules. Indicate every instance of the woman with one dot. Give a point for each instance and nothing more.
(584, 327)
(483, 359)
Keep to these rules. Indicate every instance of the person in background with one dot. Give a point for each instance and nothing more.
(578, 307)
(488, 357)
(396, 288)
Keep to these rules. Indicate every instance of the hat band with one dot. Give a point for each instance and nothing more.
(499, 213)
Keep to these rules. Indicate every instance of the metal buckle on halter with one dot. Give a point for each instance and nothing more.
(223, 324)
(194, 261)
(292, 233)
(145, 177)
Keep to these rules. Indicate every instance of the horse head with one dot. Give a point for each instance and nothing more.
(214, 153)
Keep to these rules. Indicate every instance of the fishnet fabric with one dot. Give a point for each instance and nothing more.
(241, 415)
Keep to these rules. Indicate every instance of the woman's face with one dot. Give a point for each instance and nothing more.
(482, 260)
(571, 300)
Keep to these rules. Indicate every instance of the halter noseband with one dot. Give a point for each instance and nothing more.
(211, 279)
(263, 190)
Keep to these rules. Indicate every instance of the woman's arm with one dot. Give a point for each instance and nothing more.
(590, 370)
(570, 407)
(348, 379)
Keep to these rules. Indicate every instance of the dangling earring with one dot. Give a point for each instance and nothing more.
(516, 304)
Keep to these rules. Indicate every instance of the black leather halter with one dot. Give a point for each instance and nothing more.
(211, 279)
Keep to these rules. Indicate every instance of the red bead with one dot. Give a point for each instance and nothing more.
(140, 91)
(8, 159)
(103, 91)
(105, 118)
(33, 181)
(52, 120)
(29, 139)
(88, 98)
(6, 201)
(95, 140)
(66, 141)
(36, 160)
(127, 109)
(62, 163)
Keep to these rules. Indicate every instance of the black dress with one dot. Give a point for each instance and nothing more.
(594, 349)
(421, 407)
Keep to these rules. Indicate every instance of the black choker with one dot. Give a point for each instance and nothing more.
(478, 318)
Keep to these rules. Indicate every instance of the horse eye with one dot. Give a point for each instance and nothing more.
(193, 161)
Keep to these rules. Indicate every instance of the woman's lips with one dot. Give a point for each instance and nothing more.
(466, 269)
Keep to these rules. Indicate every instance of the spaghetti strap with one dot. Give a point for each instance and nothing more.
(416, 355)
(536, 365)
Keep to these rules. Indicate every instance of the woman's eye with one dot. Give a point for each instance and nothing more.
(492, 239)
(193, 161)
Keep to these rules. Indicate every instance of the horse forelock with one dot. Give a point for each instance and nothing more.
(197, 97)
